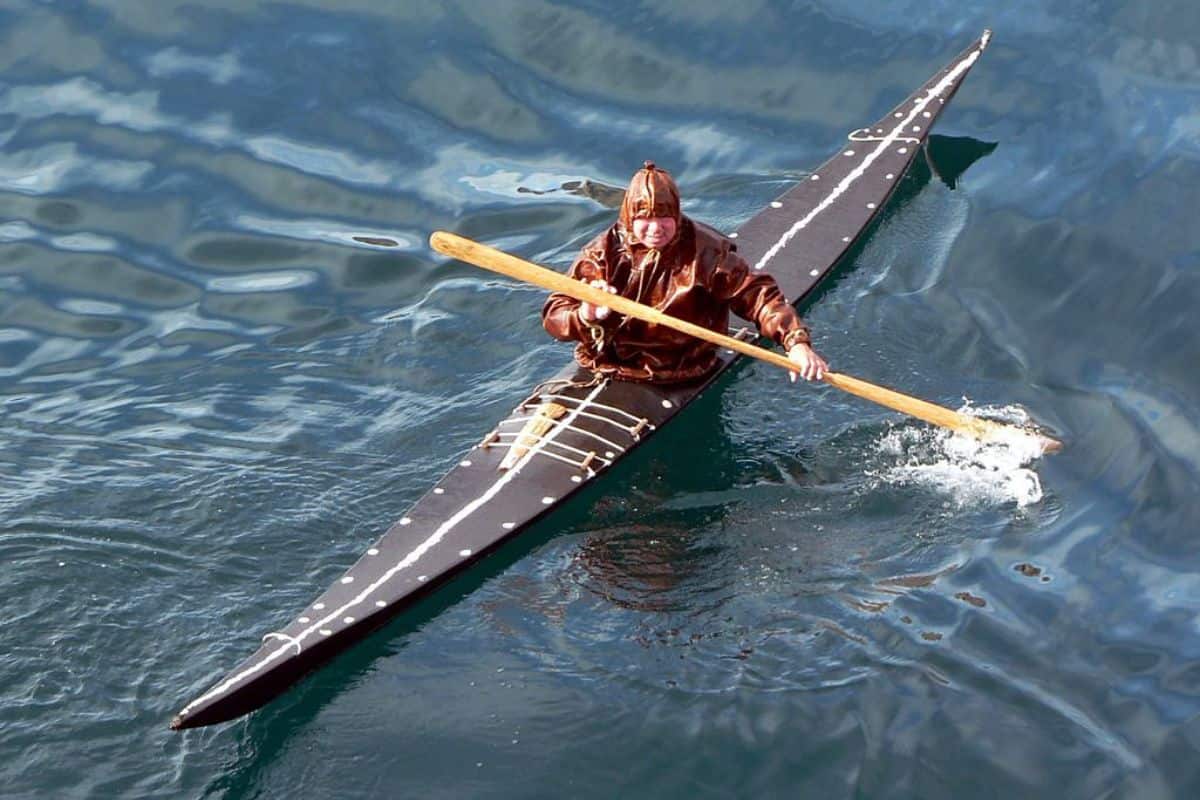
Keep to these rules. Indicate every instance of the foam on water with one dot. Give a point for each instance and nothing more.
(968, 471)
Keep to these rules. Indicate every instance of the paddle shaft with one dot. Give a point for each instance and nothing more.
(495, 260)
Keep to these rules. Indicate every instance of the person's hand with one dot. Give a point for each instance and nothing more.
(812, 366)
(592, 314)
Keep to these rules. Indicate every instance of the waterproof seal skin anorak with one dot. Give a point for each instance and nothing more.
(698, 277)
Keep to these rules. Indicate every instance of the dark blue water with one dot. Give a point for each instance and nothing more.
(213, 400)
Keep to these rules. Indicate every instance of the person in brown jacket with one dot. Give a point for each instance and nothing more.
(655, 255)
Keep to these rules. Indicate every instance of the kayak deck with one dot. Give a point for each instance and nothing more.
(575, 426)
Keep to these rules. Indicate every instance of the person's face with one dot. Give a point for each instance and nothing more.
(654, 232)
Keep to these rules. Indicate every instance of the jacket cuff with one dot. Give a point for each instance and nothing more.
(798, 336)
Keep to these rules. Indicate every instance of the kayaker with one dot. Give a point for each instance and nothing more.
(655, 255)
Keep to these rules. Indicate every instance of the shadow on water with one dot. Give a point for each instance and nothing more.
(951, 156)
(947, 158)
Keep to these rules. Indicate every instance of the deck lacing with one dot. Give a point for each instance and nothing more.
(865, 135)
(621, 411)
(560, 425)
(583, 465)
(583, 453)
(628, 430)
(291, 640)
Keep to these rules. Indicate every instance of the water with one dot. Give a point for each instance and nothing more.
(214, 399)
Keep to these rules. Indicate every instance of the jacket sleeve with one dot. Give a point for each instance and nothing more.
(758, 297)
(560, 314)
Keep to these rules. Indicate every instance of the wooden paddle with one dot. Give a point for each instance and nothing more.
(495, 260)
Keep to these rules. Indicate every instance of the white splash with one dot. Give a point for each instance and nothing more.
(969, 472)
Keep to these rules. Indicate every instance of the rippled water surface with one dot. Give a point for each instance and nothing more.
(214, 399)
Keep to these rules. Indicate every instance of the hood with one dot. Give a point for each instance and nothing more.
(651, 193)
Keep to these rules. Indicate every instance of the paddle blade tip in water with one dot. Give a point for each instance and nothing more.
(1049, 444)
(1012, 425)
(1034, 437)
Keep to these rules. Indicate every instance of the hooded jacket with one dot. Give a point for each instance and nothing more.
(698, 277)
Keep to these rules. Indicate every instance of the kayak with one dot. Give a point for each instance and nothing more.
(571, 429)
